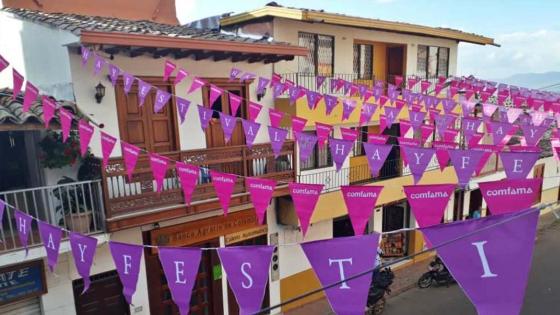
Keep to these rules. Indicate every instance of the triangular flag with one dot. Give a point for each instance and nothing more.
(127, 259)
(298, 124)
(205, 115)
(277, 137)
(49, 107)
(306, 143)
(418, 160)
(23, 226)
(261, 191)
(517, 165)
(162, 97)
(348, 106)
(330, 103)
(128, 80)
(340, 150)
(158, 164)
(30, 96)
(228, 124)
(50, 236)
(376, 156)
(85, 132)
(275, 117)
(17, 83)
(254, 110)
(510, 195)
(499, 130)
(196, 84)
(465, 163)
(215, 92)
(183, 107)
(188, 176)
(114, 72)
(65, 118)
(143, 91)
(251, 129)
(83, 250)
(533, 134)
(323, 131)
(223, 184)
(305, 197)
(428, 202)
(130, 155)
(181, 75)
(360, 202)
(234, 102)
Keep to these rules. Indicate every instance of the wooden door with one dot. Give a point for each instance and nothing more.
(395, 63)
(103, 297)
(141, 125)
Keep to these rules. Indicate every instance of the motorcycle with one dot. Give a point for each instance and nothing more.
(380, 285)
(438, 274)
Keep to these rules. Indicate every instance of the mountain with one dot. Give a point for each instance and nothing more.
(547, 80)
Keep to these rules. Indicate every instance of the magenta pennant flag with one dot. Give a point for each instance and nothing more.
(391, 114)
(83, 250)
(488, 151)
(306, 143)
(234, 73)
(65, 123)
(85, 132)
(254, 110)
(180, 266)
(196, 84)
(411, 82)
(128, 80)
(512, 114)
(181, 75)
(517, 165)
(298, 124)
(31, 93)
(376, 155)
(250, 129)
(23, 225)
(377, 139)
(143, 91)
(404, 127)
(205, 115)
(428, 202)
(49, 107)
(470, 127)
(188, 176)
(277, 137)
(319, 80)
(18, 83)
(3, 63)
(465, 163)
(488, 109)
(182, 107)
(114, 72)
(247, 269)
(383, 100)
(533, 134)
(398, 80)
(348, 106)
(323, 131)
(510, 195)
(215, 92)
(107, 144)
(442, 123)
(349, 134)
(162, 97)
(305, 197)
(426, 131)
(127, 259)
(50, 236)
(158, 164)
(98, 64)
(340, 150)
(424, 85)
(223, 184)
(262, 83)
(228, 124)
(330, 103)
(418, 159)
(234, 102)
(489, 267)
(360, 202)
(261, 191)
(499, 130)
(130, 154)
(275, 117)
(335, 260)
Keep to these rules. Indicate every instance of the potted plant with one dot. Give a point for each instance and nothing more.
(58, 154)
(75, 206)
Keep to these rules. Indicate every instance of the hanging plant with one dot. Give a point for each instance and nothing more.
(57, 154)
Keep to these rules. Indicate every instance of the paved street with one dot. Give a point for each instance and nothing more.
(543, 292)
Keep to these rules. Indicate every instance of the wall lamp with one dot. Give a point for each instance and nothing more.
(99, 92)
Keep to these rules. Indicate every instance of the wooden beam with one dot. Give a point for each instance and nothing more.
(201, 55)
(237, 57)
(272, 59)
(162, 52)
(113, 50)
(140, 51)
(179, 54)
(256, 58)
(221, 56)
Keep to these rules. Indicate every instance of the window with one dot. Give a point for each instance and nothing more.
(320, 60)
(363, 61)
(362, 138)
(432, 61)
(319, 158)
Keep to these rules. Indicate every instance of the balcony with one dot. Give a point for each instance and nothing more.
(132, 203)
(76, 206)
(308, 81)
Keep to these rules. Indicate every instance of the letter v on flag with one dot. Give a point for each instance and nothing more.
(428, 202)
(360, 202)
(338, 259)
(490, 264)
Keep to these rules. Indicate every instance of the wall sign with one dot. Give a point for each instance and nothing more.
(22, 281)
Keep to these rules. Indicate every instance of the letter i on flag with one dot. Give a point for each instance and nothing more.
(337, 259)
(127, 259)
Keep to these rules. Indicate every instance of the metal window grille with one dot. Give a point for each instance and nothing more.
(319, 158)
(443, 62)
(320, 59)
(432, 61)
(363, 61)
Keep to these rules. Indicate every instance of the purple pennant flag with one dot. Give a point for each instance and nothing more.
(205, 115)
(183, 107)
(130, 154)
(277, 137)
(228, 124)
(23, 225)
(517, 165)
(465, 163)
(348, 106)
(143, 90)
(128, 80)
(158, 164)
(418, 159)
(247, 76)
(337, 259)
(98, 64)
(196, 84)
(114, 72)
(442, 123)
(467, 107)
(533, 134)
(107, 144)
(306, 143)
(234, 73)
(18, 83)
(277, 89)
(215, 92)
(499, 130)
(261, 191)
(488, 109)
(127, 259)
(340, 150)
(391, 114)
(223, 184)
(470, 127)
(181, 75)
(312, 99)
(83, 249)
(250, 129)
(368, 109)
(275, 117)
(416, 119)
(188, 176)
(330, 103)
(295, 93)
(49, 107)
(319, 80)
(305, 197)
(180, 266)
(360, 201)
(50, 236)
(247, 268)
(65, 122)
(262, 83)
(254, 110)
(85, 132)
(491, 269)
(448, 105)
(234, 102)
(167, 70)
(31, 93)
(376, 155)
(162, 97)
(86, 53)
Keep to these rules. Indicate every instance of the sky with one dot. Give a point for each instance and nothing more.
(527, 30)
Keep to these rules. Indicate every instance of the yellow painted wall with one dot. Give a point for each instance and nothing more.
(380, 61)
(298, 284)
(359, 169)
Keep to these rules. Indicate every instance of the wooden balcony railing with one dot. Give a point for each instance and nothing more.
(129, 197)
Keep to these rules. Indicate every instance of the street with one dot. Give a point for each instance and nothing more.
(542, 296)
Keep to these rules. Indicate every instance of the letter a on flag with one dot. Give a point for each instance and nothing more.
(337, 259)
(247, 274)
(491, 265)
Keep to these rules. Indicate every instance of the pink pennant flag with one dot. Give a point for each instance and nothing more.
(488, 109)
(65, 118)
(305, 197)
(183, 107)
(50, 236)
(204, 115)
(441, 152)
(411, 82)
(348, 106)
(130, 154)
(49, 107)
(181, 75)
(196, 84)
(404, 127)
(488, 150)
(31, 93)
(376, 155)
(23, 226)
(251, 129)
(254, 110)
(107, 145)
(360, 202)
(18, 83)
(215, 92)
(428, 202)
(98, 64)
(537, 117)
(349, 134)
(426, 131)
(513, 114)
(517, 165)
(383, 100)
(158, 164)
(438, 88)
(323, 131)
(382, 123)
(162, 97)
(143, 91)
(188, 176)
(399, 104)
(168, 69)
(465, 163)
(234, 102)
(262, 83)
(83, 250)
(368, 109)
(228, 125)
(128, 80)
(377, 139)
(398, 80)
(510, 195)
(424, 86)
(3, 63)
(261, 191)
(418, 159)
(223, 184)
(275, 117)
(298, 124)
(85, 132)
